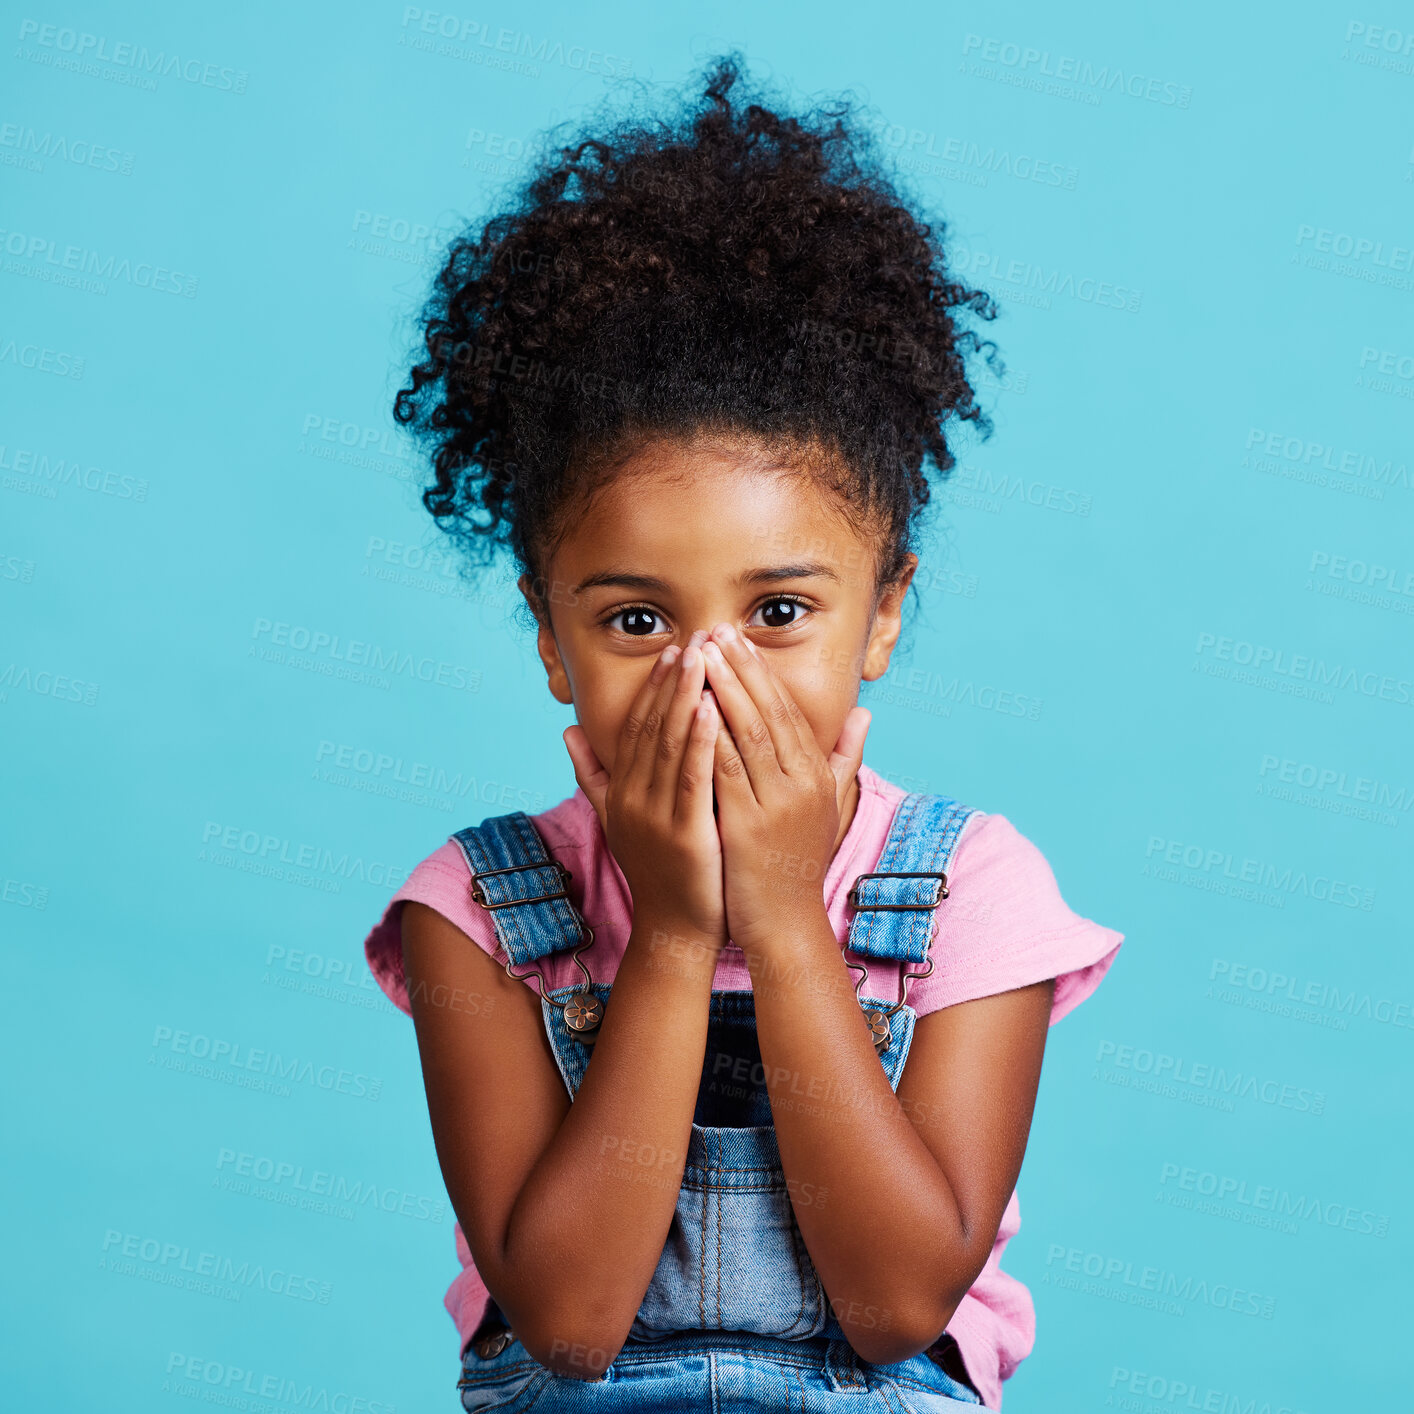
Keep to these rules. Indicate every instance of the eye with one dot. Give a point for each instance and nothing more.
(783, 611)
(638, 621)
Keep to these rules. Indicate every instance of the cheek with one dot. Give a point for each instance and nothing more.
(824, 690)
(602, 706)
(822, 673)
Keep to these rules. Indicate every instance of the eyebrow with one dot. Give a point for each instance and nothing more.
(772, 574)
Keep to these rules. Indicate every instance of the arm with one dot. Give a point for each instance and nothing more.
(926, 1175)
(565, 1238)
(549, 1194)
(917, 1182)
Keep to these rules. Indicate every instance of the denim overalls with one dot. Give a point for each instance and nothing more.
(735, 1317)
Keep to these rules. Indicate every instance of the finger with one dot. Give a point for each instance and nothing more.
(694, 802)
(845, 759)
(729, 773)
(639, 712)
(805, 733)
(644, 771)
(592, 777)
(764, 691)
(751, 736)
(684, 690)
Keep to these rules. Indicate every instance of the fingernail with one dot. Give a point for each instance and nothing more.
(713, 652)
(726, 633)
(689, 655)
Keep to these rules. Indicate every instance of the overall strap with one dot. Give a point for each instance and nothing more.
(894, 904)
(521, 885)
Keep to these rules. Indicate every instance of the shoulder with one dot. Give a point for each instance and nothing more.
(994, 859)
(442, 880)
(1005, 924)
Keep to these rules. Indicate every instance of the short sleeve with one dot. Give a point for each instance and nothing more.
(1005, 925)
(441, 882)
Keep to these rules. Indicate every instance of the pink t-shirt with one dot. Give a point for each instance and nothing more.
(1004, 926)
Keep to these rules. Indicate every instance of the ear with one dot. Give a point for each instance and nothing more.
(546, 644)
(888, 620)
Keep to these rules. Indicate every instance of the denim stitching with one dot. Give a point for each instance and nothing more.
(706, 1185)
(911, 1383)
(507, 928)
(948, 818)
(524, 929)
(717, 1129)
(719, 1238)
(899, 828)
(885, 1390)
(539, 1388)
(797, 1246)
(702, 1262)
(677, 1352)
(558, 908)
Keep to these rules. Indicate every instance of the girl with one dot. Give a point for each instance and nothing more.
(693, 379)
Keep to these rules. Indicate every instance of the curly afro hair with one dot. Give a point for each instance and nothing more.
(737, 272)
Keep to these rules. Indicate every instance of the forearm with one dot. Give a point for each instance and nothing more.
(889, 1242)
(590, 1222)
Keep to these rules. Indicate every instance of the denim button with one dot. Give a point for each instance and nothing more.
(490, 1346)
(878, 1029)
(583, 1013)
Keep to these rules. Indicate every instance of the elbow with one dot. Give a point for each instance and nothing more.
(933, 1329)
(901, 1330)
(893, 1346)
(890, 1342)
(576, 1346)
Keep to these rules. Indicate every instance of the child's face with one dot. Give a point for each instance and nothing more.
(685, 537)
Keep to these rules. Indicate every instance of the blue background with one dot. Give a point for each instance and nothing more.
(1192, 477)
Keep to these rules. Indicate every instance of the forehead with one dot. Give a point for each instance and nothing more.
(681, 511)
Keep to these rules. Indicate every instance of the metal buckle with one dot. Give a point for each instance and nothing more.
(853, 895)
(478, 895)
